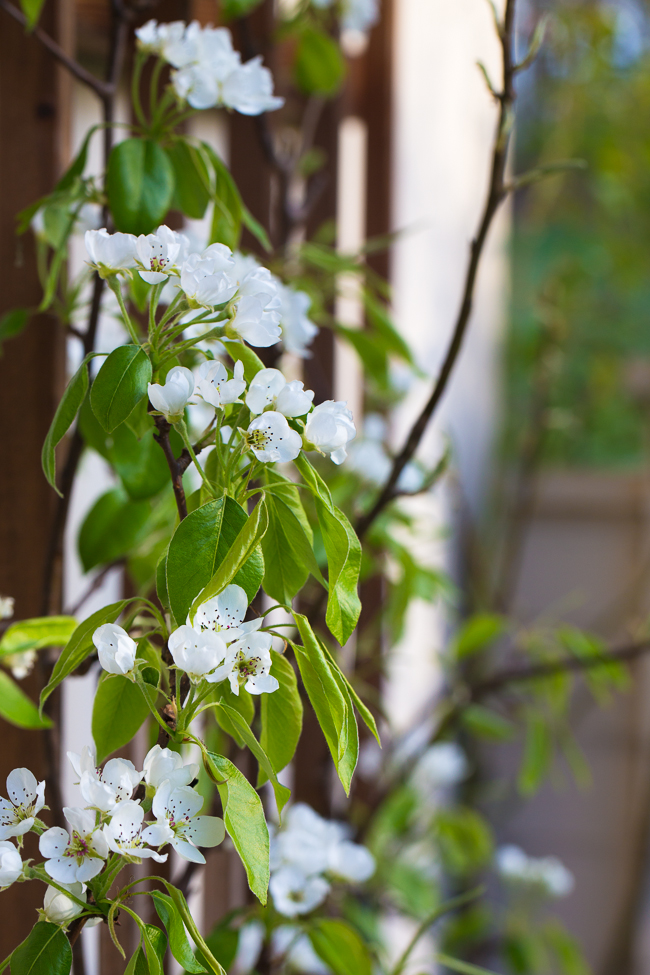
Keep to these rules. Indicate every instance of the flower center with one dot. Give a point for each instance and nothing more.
(258, 438)
(247, 666)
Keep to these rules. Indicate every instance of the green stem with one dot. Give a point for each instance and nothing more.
(182, 429)
(153, 87)
(426, 924)
(114, 866)
(114, 285)
(143, 687)
(140, 58)
(153, 305)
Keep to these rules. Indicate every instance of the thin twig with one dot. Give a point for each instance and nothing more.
(177, 465)
(496, 194)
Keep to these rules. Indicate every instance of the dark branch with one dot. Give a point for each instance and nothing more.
(177, 465)
(496, 194)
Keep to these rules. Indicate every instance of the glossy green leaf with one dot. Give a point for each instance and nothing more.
(364, 712)
(223, 942)
(119, 711)
(242, 703)
(231, 9)
(140, 464)
(197, 549)
(281, 715)
(66, 411)
(12, 323)
(287, 545)
(203, 952)
(17, 708)
(245, 822)
(139, 184)
(80, 645)
(243, 353)
(178, 943)
(228, 206)
(32, 10)
(477, 633)
(45, 951)
(192, 190)
(319, 67)
(340, 947)
(34, 634)
(347, 762)
(111, 528)
(120, 385)
(281, 792)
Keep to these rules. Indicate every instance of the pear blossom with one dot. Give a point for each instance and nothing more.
(161, 39)
(111, 253)
(60, 909)
(298, 330)
(249, 89)
(196, 652)
(21, 664)
(205, 279)
(313, 845)
(271, 438)
(248, 662)
(103, 789)
(350, 861)
(124, 833)
(249, 946)
(254, 323)
(26, 799)
(11, 865)
(294, 892)
(6, 607)
(255, 281)
(158, 253)
(293, 947)
(442, 766)
(162, 764)
(225, 613)
(80, 858)
(270, 388)
(360, 15)
(214, 386)
(172, 398)
(115, 648)
(330, 427)
(548, 873)
(176, 810)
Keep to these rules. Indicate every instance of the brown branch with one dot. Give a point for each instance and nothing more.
(103, 90)
(496, 194)
(177, 465)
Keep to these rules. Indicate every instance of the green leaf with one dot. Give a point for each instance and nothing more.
(282, 794)
(32, 10)
(45, 951)
(463, 967)
(243, 353)
(223, 942)
(538, 753)
(80, 645)
(198, 547)
(281, 716)
(243, 815)
(191, 179)
(119, 711)
(78, 164)
(256, 229)
(34, 634)
(13, 323)
(161, 581)
(66, 411)
(340, 947)
(347, 762)
(231, 9)
(202, 949)
(17, 708)
(155, 944)
(364, 712)
(120, 385)
(178, 943)
(140, 464)
(476, 634)
(139, 184)
(487, 723)
(111, 528)
(464, 839)
(241, 550)
(287, 545)
(319, 67)
(228, 206)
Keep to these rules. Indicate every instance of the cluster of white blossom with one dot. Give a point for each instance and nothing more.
(20, 664)
(547, 873)
(266, 310)
(218, 645)
(111, 822)
(208, 72)
(307, 854)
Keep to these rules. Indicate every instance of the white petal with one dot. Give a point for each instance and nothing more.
(21, 787)
(187, 851)
(63, 870)
(205, 831)
(54, 842)
(90, 867)
(184, 804)
(263, 684)
(157, 834)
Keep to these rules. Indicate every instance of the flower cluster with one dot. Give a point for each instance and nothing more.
(545, 873)
(208, 72)
(307, 854)
(21, 663)
(112, 821)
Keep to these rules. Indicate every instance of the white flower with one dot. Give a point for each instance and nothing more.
(442, 766)
(255, 281)
(20, 664)
(115, 648)
(298, 331)
(204, 277)
(60, 909)
(330, 427)
(546, 872)
(225, 614)
(162, 764)
(271, 438)
(248, 662)
(270, 388)
(254, 323)
(350, 861)
(11, 865)
(26, 799)
(196, 652)
(6, 607)
(172, 398)
(160, 38)
(214, 386)
(291, 944)
(294, 893)
(249, 946)
(158, 253)
(124, 833)
(176, 810)
(249, 89)
(104, 789)
(360, 15)
(111, 252)
(313, 845)
(80, 858)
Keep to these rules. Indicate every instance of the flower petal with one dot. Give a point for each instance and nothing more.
(187, 851)
(63, 869)
(21, 787)
(90, 867)
(54, 842)
(204, 831)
